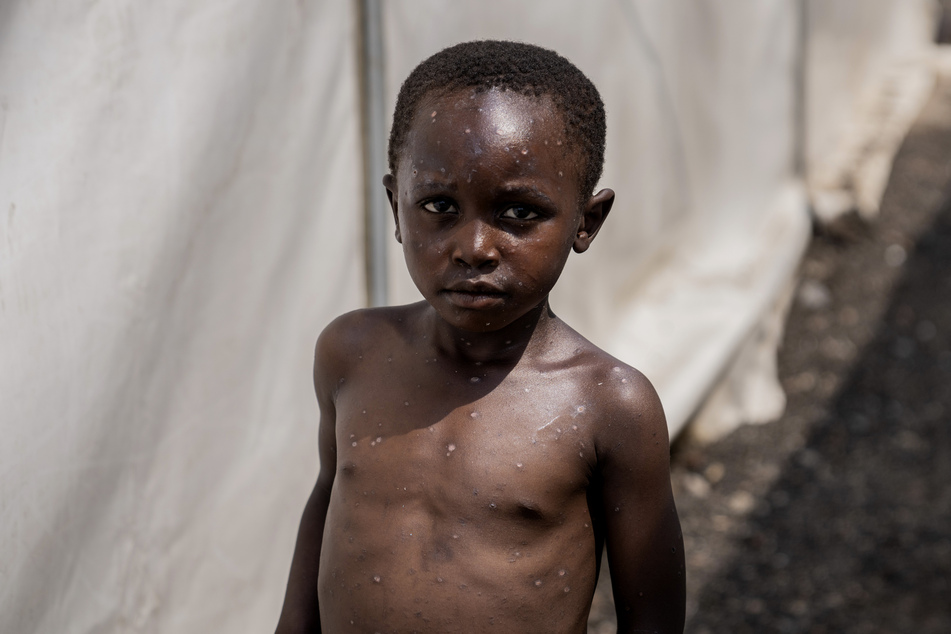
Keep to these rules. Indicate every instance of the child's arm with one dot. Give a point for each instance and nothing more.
(301, 614)
(642, 531)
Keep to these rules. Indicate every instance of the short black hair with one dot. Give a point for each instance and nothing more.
(524, 68)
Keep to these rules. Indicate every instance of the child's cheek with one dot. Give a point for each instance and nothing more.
(427, 248)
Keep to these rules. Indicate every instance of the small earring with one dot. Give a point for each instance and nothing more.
(582, 235)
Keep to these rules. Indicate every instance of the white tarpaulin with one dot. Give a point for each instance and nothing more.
(180, 217)
(866, 82)
(181, 212)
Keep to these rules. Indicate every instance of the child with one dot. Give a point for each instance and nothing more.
(476, 453)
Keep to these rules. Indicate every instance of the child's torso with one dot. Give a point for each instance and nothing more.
(460, 499)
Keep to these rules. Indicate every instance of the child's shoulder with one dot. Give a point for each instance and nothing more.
(353, 336)
(364, 328)
(626, 399)
(368, 321)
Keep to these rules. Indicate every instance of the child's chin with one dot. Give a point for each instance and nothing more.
(478, 324)
(474, 320)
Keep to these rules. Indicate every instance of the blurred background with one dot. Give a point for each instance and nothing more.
(189, 192)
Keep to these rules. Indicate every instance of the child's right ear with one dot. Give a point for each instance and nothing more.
(389, 181)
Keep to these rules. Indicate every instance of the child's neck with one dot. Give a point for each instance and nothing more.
(502, 347)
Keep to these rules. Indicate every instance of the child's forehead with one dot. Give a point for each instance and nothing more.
(495, 103)
(494, 116)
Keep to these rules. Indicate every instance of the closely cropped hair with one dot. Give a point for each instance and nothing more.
(523, 68)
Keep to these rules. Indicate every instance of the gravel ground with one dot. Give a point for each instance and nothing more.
(837, 517)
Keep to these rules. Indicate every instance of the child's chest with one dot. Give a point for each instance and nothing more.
(462, 444)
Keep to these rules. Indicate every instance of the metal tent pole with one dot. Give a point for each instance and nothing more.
(374, 148)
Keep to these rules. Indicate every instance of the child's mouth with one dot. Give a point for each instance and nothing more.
(477, 298)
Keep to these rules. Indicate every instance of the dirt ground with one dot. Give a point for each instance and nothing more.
(837, 517)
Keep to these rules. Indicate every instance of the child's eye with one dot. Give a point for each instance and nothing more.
(519, 212)
(439, 206)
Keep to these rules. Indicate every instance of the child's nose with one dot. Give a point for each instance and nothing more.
(474, 245)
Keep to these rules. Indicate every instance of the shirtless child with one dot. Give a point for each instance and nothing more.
(476, 453)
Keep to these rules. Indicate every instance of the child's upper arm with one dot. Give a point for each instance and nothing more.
(330, 370)
(301, 612)
(642, 531)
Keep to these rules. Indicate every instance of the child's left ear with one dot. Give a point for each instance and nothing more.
(592, 217)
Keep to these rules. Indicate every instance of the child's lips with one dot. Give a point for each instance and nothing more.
(475, 295)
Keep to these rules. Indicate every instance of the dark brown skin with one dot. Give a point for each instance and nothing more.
(476, 453)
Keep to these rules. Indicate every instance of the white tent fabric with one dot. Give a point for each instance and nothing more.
(181, 213)
(866, 81)
(181, 216)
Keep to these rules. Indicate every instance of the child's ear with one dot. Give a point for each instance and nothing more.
(592, 217)
(389, 181)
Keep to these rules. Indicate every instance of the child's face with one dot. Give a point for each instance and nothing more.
(486, 200)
